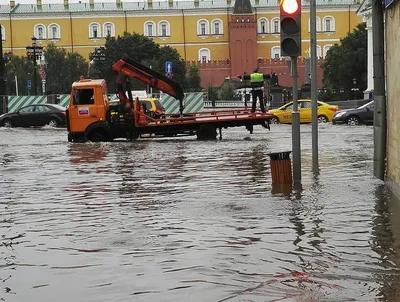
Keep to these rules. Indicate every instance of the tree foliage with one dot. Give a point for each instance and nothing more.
(346, 62)
(141, 49)
(193, 79)
(62, 69)
(227, 91)
(22, 69)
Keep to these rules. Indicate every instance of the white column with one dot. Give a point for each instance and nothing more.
(370, 56)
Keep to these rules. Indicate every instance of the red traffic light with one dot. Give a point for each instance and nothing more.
(289, 6)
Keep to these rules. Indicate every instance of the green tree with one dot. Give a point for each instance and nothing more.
(141, 49)
(21, 68)
(212, 93)
(62, 69)
(346, 62)
(226, 91)
(193, 79)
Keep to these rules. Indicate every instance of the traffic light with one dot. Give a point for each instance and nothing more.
(290, 12)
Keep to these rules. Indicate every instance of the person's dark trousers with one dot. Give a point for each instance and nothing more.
(257, 94)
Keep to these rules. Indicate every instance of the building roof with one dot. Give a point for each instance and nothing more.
(156, 5)
(242, 7)
(365, 8)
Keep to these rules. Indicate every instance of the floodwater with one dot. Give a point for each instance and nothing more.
(187, 220)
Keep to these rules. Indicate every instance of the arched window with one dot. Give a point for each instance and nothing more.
(275, 28)
(94, 30)
(318, 23)
(164, 29)
(276, 52)
(39, 31)
(216, 27)
(150, 29)
(108, 29)
(263, 26)
(203, 27)
(54, 31)
(328, 24)
(204, 55)
(3, 33)
(326, 48)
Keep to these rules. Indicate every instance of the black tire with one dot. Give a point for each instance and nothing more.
(353, 120)
(274, 120)
(53, 123)
(7, 123)
(70, 137)
(206, 132)
(97, 136)
(322, 119)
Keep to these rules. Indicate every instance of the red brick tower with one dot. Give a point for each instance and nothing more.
(243, 38)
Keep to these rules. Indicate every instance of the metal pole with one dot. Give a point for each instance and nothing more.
(295, 126)
(380, 125)
(2, 79)
(16, 85)
(34, 69)
(314, 105)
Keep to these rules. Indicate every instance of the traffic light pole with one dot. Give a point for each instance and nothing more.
(314, 105)
(295, 126)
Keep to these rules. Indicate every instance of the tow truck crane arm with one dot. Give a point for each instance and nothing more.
(133, 69)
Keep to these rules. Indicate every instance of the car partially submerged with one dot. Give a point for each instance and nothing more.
(363, 115)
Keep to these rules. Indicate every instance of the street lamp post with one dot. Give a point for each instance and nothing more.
(98, 55)
(2, 78)
(354, 89)
(34, 52)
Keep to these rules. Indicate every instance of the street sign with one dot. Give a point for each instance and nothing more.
(168, 66)
(42, 74)
(29, 84)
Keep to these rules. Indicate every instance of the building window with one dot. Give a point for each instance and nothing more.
(216, 27)
(262, 26)
(150, 29)
(204, 55)
(275, 26)
(326, 48)
(318, 23)
(329, 24)
(276, 52)
(54, 31)
(108, 30)
(163, 29)
(94, 31)
(3, 33)
(40, 31)
(202, 28)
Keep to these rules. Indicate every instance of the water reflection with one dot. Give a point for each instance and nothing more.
(86, 153)
(386, 242)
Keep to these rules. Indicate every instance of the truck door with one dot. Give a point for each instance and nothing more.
(84, 110)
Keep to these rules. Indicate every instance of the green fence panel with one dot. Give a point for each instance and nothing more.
(193, 102)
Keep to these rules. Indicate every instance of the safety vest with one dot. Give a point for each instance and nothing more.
(256, 77)
(257, 80)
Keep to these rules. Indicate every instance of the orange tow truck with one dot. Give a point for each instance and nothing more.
(90, 117)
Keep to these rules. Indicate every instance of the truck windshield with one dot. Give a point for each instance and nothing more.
(83, 96)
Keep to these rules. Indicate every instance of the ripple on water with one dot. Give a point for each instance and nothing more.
(184, 220)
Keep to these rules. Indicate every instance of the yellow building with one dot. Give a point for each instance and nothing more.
(199, 30)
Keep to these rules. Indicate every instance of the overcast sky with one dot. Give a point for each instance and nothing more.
(2, 2)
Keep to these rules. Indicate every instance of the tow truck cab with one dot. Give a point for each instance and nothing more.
(88, 108)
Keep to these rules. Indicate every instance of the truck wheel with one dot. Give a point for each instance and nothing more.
(97, 136)
(70, 137)
(206, 132)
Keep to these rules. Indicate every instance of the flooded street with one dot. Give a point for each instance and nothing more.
(187, 220)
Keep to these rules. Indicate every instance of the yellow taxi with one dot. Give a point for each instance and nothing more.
(283, 115)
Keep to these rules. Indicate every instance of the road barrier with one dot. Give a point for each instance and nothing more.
(193, 102)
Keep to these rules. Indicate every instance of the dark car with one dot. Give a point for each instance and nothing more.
(361, 115)
(35, 115)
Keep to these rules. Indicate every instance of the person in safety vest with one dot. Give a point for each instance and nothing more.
(257, 84)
